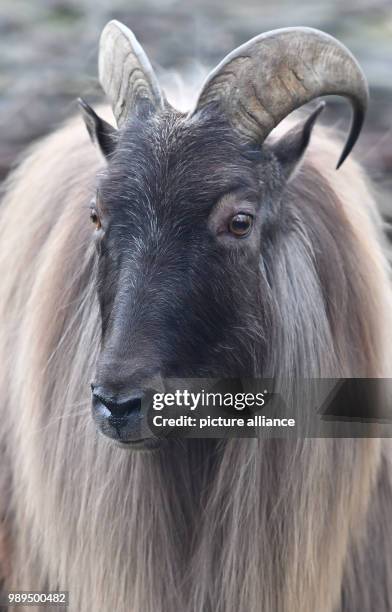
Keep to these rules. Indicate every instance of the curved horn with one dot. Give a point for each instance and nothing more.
(125, 72)
(261, 82)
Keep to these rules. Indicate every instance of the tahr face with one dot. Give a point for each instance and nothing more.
(180, 214)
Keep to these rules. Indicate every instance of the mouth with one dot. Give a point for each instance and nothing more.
(143, 444)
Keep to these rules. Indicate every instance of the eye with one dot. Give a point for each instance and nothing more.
(240, 225)
(94, 217)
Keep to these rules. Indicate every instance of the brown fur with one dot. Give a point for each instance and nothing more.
(245, 525)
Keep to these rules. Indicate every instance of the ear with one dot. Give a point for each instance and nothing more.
(101, 133)
(290, 148)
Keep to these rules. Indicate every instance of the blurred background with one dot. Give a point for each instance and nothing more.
(48, 57)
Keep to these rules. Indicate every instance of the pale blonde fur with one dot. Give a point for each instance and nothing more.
(244, 526)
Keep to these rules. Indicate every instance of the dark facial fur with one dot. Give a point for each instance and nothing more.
(242, 525)
(178, 292)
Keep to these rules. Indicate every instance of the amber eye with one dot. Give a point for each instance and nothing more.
(241, 224)
(94, 217)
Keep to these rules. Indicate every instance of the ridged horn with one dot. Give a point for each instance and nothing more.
(125, 72)
(261, 82)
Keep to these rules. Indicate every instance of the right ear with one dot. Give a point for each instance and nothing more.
(101, 133)
(290, 147)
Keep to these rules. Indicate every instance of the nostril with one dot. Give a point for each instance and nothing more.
(127, 407)
(118, 406)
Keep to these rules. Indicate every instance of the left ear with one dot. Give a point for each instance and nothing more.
(290, 147)
(101, 133)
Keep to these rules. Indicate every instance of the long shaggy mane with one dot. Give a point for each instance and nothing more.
(200, 525)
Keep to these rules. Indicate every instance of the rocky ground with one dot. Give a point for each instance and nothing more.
(48, 51)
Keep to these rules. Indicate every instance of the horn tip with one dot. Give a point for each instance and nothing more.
(345, 153)
(113, 26)
(355, 130)
(113, 23)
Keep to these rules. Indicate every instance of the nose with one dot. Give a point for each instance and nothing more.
(117, 416)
